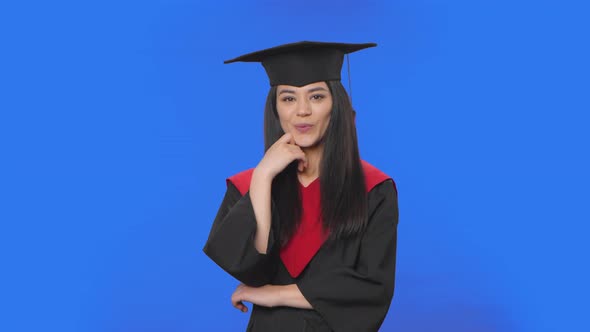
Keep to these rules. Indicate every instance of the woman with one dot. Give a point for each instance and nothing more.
(311, 231)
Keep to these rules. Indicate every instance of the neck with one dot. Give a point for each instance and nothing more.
(314, 156)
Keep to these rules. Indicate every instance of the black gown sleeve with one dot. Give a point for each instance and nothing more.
(357, 297)
(231, 240)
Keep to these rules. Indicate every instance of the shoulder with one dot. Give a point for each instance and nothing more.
(241, 180)
(375, 177)
(382, 197)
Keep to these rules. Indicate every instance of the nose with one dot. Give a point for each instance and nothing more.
(303, 108)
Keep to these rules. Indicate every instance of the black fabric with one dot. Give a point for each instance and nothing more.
(231, 240)
(302, 63)
(349, 284)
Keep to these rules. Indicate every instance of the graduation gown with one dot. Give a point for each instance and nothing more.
(349, 283)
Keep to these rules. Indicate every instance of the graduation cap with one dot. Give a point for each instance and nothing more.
(302, 63)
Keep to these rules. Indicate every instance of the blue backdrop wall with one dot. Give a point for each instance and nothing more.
(119, 124)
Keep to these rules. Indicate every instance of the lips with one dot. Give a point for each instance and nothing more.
(303, 127)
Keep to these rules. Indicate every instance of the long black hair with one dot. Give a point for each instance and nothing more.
(342, 181)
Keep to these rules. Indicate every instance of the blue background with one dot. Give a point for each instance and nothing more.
(119, 124)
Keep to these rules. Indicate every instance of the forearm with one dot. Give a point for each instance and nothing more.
(291, 296)
(260, 190)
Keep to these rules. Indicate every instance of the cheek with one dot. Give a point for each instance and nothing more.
(325, 114)
(326, 122)
(283, 118)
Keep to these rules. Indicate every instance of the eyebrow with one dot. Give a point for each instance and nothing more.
(319, 88)
(286, 91)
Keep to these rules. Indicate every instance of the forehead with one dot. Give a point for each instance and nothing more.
(310, 86)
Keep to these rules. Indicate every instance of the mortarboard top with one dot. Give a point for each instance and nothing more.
(302, 63)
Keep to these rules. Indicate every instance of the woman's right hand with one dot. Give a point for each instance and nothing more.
(279, 155)
(283, 152)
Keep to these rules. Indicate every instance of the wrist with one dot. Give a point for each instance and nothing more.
(262, 176)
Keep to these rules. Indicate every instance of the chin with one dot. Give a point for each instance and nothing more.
(305, 142)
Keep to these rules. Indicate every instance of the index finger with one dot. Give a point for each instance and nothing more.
(286, 138)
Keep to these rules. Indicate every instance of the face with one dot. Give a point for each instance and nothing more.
(304, 111)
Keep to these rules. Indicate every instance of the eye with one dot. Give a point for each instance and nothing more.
(288, 99)
(318, 97)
